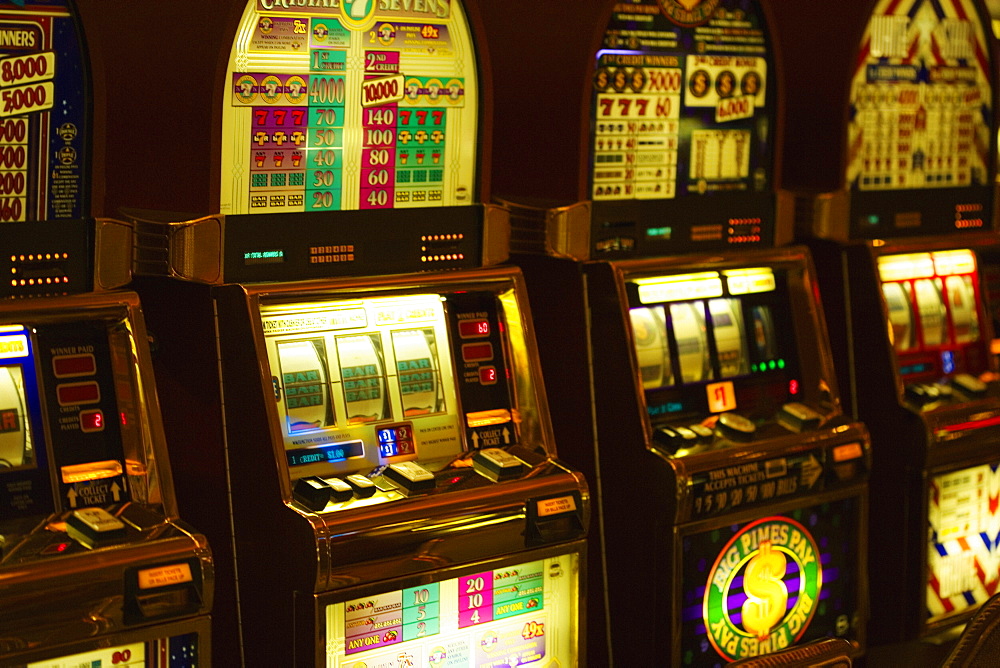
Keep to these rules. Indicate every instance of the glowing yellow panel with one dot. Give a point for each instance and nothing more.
(902, 267)
(12, 347)
(952, 262)
(748, 281)
(679, 288)
(90, 471)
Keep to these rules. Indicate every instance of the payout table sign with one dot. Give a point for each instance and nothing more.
(360, 106)
(43, 155)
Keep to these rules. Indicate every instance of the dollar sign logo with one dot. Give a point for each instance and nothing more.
(767, 596)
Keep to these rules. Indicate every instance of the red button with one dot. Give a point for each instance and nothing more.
(66, 366)
(71, 394)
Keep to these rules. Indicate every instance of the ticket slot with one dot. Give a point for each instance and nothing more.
(162, 590)
(553, 519)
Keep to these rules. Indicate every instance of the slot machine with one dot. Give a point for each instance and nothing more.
(370, 445)
(899, 212)
(96, 565)
(730, 487)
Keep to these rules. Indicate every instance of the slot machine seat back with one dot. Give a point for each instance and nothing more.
(980, 639)
(823, 653)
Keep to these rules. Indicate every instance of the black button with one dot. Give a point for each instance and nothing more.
(412, 478)
(362, 486)
(340, 491)
(312, 492)
(735, 427)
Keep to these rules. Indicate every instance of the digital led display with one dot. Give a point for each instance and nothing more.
(523, 614)
(763, 585)
(473, 328)
(704, 352)
(933, 302)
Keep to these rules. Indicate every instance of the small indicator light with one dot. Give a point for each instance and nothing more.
(872, 219)
(793, 386)
(772, 365)
(781, 364)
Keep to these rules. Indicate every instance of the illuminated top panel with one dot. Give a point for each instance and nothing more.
(680, 104)
(44, 113)
(920, 135)
(921, 98)
(350, 105)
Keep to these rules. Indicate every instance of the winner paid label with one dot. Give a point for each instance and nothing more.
(763, 590)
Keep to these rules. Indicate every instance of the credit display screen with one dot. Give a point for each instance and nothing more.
(710, 342)
(520, 615)
(350, 105)
(359, 383)
(764, 585)
(934, 301)
(964, 547)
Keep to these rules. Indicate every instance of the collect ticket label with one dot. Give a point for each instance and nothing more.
(332, 109)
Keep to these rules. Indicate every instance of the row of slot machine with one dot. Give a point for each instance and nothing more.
(314, 421)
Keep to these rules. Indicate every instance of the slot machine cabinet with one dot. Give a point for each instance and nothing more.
(370, 445)
(734, 407)
(717, 431)
(95, 563)
(899, 213)
(387, 437)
